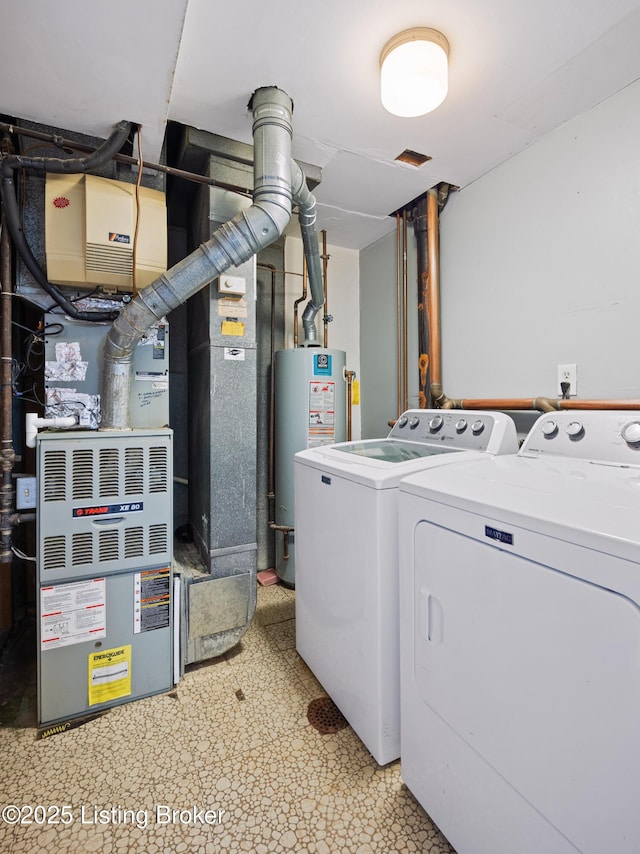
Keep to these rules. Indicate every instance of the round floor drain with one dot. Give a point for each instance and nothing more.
(325, 716)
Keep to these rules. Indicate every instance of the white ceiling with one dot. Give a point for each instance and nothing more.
(518, 69)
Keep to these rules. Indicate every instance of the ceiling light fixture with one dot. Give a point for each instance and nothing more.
(414, 73)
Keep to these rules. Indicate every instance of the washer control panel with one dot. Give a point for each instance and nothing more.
(599, 435)
(493, 432)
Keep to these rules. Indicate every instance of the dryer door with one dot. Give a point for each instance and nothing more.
(538, 673)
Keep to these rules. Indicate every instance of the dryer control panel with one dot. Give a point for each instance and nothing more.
(465, 430)
(600, 435)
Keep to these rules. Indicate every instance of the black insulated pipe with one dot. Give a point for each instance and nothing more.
(72, 166)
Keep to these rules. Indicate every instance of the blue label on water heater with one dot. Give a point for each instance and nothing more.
(321, 365)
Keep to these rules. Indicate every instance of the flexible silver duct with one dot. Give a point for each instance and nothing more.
(307, 218)
(232, 244)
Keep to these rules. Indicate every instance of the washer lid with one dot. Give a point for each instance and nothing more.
(392, 450)
(379, 463)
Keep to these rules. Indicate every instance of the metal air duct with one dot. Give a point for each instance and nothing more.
(307, 218)
(232, 244)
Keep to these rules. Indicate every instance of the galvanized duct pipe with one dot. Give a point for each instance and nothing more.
(232, 244)
(306, 202)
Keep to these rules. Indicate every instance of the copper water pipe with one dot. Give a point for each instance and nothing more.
(405, 346)
(298, 301)
(433, 272)
(349, 375)
(399, 313)
(542, 404)
(325, 261)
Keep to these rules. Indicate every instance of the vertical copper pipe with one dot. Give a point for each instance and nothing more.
(298, 301)
(325, 261)
(424, 374)
(349, 375)
(433, 268)
(399, 313)
(405, 348)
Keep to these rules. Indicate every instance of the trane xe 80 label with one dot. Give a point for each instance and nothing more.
(107, 509)
(500, 536)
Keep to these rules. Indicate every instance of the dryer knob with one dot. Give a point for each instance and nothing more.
(631, 433)
(477, 427)
(413, 423)
(461, 425)
(403, 421)
(436, 423)
(549, 429)
(575, 429)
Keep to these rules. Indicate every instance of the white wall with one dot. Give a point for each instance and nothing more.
(342, 301)
(540, 264)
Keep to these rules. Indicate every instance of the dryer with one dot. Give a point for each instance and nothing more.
(520, 641)
(346, 557)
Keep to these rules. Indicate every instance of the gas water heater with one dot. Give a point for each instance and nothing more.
(310, 410)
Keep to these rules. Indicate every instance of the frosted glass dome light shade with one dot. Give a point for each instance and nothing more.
(414, 72)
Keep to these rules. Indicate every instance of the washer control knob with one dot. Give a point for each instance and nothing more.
(413, 422)
(631, 433)
(477, 427)
(461, 425)
(549, 429)
(575, 429)
(402, 421)
(436, 423)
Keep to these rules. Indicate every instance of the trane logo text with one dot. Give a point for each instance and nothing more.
(106, 509)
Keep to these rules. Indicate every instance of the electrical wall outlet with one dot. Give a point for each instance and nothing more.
(567, 374)
(25, 493)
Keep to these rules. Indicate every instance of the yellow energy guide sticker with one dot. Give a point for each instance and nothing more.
(232, 327)
(109, 674)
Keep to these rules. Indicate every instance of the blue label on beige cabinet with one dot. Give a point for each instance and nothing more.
(500, 536)
(321, 365)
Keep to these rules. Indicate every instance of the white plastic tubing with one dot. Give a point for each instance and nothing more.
(34, 423)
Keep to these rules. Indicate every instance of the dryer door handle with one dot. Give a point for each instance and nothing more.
(430, 617)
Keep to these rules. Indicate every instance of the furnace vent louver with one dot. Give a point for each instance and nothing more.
(82, 474)
(109, 473)
(55, 475)
(105, 501)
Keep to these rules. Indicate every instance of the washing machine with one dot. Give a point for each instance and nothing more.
(520, 641)
(346, 557)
